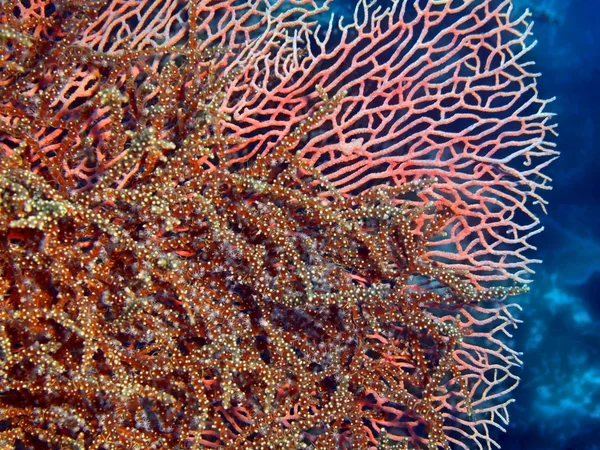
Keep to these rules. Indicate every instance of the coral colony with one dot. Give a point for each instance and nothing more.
(230, 224)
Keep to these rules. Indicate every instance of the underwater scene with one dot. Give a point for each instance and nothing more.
(299, 224)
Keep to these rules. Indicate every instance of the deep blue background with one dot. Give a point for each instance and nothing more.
(558, 401)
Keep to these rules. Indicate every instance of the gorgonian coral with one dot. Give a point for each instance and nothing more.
(167, 285)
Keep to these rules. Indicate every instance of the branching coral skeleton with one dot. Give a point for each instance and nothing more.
(185, 262)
